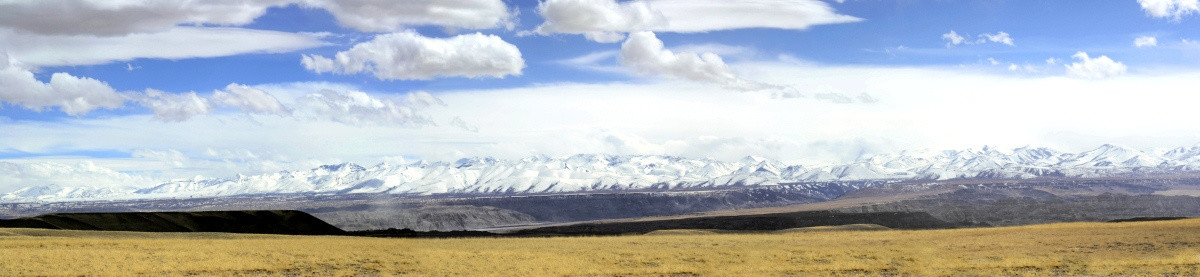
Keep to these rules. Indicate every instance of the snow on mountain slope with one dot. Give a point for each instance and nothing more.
(597, 172)
(1109, 155)
(485, 176)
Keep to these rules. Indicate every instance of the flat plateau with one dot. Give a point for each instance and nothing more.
(1131, 248)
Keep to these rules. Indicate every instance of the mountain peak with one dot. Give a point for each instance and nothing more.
(752, 160)
(588, 172)
(1109, 147)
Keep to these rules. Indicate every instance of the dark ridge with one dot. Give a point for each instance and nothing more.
(758, 222)
(1139, 219)
(257, 222)
(300, 223)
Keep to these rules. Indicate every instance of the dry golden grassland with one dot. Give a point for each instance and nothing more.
(1137, 248)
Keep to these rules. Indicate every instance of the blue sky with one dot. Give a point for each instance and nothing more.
(185, 91)
(1043, 29)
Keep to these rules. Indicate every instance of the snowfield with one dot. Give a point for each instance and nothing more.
(595, 172)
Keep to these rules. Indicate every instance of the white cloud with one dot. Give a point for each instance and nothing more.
(1000, 37)
(115, 18)
(249, 100)
(833, 98)
(170, 157)
(312, 102)
(1145, 41)
(358, 108)
(144, 167)
(607, 60)
(1188, 43)
(605, 20)
(318, 63)
(604, 37)
(87, 32)
(645, 53)
(175, 43)
(174, 107)
(390, 15)
(15, 175)
(1094, 68)
(723, 50)
(993, 61)
(462, 124)
(422, 99)
(675, 117)
(1174, 9)
(599, 20)
(1053, 61)
(410, 56)
(351, 106)
(108, 18)
(602, 61)
(952, 38)
(73, 95)
(1024, 68)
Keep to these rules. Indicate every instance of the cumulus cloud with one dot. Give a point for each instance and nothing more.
(80, 95)
(249, 100)
(1174, 9)
(174, 107)
(390, 16)
(358, 108)
(1094, 68)
(318, 63)
(644, 52)
(87, 32)
(1145, 41)
(73, 95)
(410, 56)
(604, 37)
(599, 20)
(953, 38)
(175, 43)
(1000, 37)
(607, 20)
(114, 18)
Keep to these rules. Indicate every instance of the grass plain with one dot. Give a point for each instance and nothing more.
(1158, 248)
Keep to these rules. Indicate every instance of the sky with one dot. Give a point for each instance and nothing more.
(134, 93)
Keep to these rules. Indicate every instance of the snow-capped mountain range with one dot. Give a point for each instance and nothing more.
(595, 172)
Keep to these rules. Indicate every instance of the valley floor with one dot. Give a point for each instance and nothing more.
(1133, 248)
